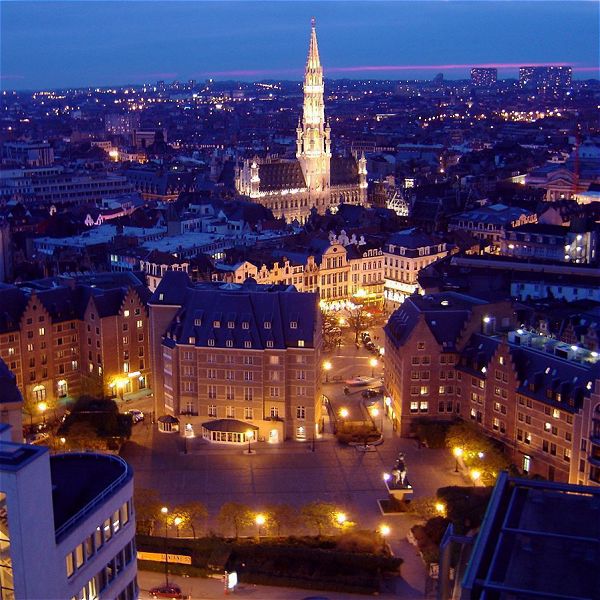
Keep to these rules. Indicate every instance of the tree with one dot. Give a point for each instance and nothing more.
(321, 515)
(194, 514)
(282, 517)
(147, 509)
(358, 318)
(332, 333)
(235, 515)
(32, 406)
(82, 436)
(425, 507)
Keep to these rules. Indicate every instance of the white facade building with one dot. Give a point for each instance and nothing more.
(67, 526)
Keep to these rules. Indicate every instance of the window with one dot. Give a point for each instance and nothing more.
(424, 390)
(125, 313)
(211, 373)
(229, 392)
(248, 394)
(423, 406)
(247, 344)
(267, 325)
(248, 376)
(567, 455)
(70, 564)
(526, 463)
(269, 343)
(274, 412)
(212, 391)
(230, 412)
(248, 360)
(212, 410)
(139, 323)
(293, 324)
(41, 331)
(274, 392)
(300, 412)
(553, 449)
(230, 324)
(414, 407)
(125, 340)
(420, 345)
(300, 343)
(248, 412)
(273, 360)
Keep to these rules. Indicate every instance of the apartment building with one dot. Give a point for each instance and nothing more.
(405, 254)
(64, 336)
(67, 525)
(232, 358)
(449, 355)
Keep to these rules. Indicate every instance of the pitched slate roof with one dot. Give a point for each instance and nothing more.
(256, 313)
(343, 171)
(12, 304)
(277, 176)
(8, 384)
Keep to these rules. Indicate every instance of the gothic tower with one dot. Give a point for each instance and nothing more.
(313, 142)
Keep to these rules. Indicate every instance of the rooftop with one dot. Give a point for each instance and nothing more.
(80, 481)
(538, 540)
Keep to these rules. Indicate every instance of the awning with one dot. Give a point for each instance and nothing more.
(229, 425)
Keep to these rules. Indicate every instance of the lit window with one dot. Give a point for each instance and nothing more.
(125, 313)
(293, 325)
(300, 343)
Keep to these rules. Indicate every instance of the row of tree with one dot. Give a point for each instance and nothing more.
(235, 518)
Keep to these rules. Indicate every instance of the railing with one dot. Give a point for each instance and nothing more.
(92, 504)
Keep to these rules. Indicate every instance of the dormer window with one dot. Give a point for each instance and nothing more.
(300, 343)
(211, 342)
(192, 339)
(229, 343)
(161, 296)
(267, 324)
(247, 344)
(230, 324)
(245, 325)
(216, 324)
(125, 313)
(293, 324)
(269, 343)
(197, 322)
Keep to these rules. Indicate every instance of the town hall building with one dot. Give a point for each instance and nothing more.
(314, 179)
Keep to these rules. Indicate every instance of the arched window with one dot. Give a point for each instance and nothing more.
(39, 393)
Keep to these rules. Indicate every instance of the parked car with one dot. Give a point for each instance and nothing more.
(136, 415)
(38, 438)
(360, 380)
(371, 393)
(167, 591)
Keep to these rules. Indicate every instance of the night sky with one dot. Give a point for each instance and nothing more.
(61, 44)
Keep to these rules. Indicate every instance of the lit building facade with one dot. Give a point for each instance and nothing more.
(292, 188)
(551, 77)
(231, 359)
(405, 254)
(64, 337)
(67, 525)
(449, 355)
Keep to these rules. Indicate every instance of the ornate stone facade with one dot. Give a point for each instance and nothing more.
(291, 188)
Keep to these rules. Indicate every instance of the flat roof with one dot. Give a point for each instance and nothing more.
(14, 456)
(79, 482)
(538, 540)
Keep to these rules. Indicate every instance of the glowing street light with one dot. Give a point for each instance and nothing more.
(384, 531)
(43, 407)
(165, 511)
(249, 437)
(373, 362)
(260, 520)
(341, 518)
(386, 477)
(440, 507)
(475, 474)
(458, 452)
(344, 413)
(327, 366)
(177, 521)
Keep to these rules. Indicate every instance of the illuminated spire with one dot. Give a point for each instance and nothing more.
(313, 62)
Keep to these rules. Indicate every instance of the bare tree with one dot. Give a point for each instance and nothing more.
(235, 515)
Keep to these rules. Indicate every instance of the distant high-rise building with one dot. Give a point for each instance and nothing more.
(545, 77)
(116, 124)
(483, 77)
(29, 154)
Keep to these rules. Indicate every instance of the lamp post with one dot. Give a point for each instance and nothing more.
(260, 521)
(375, 413)
(249, 437)
(177, 522)
(373, 362)
(384, 531)
(165, 511)
(43, 406)
(458, 452)
(327, 367)
(341, 518)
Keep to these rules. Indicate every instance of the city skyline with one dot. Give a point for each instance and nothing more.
(257, 40)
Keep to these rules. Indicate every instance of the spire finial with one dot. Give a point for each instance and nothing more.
(313, 22)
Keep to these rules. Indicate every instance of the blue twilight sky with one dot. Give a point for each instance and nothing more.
(59, 44)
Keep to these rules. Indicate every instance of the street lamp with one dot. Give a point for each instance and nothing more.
(43, 406)
(249, 437)
(327, 367)
(440, 507)
(165, 511)
(384, 531)
(373, 362)
(375, 413)
(344, 413)
(177, 522)
(341, 518)
(260, 521)
(458, 452)
(475, 475)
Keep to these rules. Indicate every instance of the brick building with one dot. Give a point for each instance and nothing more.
(449, 355)
(231, 358)
(64, 336)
